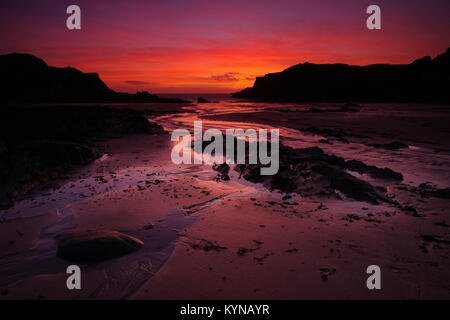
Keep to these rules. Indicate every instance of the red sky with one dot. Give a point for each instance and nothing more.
(191, 46)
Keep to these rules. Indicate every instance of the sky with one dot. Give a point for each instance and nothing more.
(218, 46)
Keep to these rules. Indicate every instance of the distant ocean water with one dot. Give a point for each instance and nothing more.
(194, 96)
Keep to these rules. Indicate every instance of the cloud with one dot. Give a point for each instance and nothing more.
(226, 77)
(136, 82)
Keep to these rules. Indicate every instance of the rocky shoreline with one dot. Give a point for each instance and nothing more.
(40, 143)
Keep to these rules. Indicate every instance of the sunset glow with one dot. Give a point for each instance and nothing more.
(217, 46)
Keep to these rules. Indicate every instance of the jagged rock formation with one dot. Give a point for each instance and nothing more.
(28, 79)
(39, 143)
(424, 80)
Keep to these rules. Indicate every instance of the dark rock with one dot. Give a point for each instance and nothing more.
(442, 193)
(243, 251)
(350, 186)
(395, 145)
(410, 209)
(34, 162)
(39, 143)
(326, 273)
(383, 173)
(149, 226)
(298, 167)
(350, 217)
(95, 245)
(224, 177)
(202, 100)
(207, 245)
(373, 220)
(71, 123)
(424, 80)
(223, 170)
(26, 78)
(428, 190)
(60, 153)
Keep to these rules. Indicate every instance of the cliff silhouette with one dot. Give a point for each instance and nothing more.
(424, 80)
(40, 143)
(28, 79)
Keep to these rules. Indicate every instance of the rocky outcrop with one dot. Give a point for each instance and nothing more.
(202, 100)
(424, 80)
(26, 78)
(71, 123)
(223, 170)
(28, 164)
(38, 144)
(311, 172)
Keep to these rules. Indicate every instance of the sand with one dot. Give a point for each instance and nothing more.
(209, 239)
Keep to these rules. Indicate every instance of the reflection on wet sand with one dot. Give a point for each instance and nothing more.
(235, 239)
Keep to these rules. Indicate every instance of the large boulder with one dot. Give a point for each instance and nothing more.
(85, 245)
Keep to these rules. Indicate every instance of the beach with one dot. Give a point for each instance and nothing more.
(206, 238)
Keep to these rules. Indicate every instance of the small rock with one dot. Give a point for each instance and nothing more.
(95, 245)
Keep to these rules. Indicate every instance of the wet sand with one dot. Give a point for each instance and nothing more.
(207, 239)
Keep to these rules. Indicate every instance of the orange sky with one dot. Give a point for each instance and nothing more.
(192, 46)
